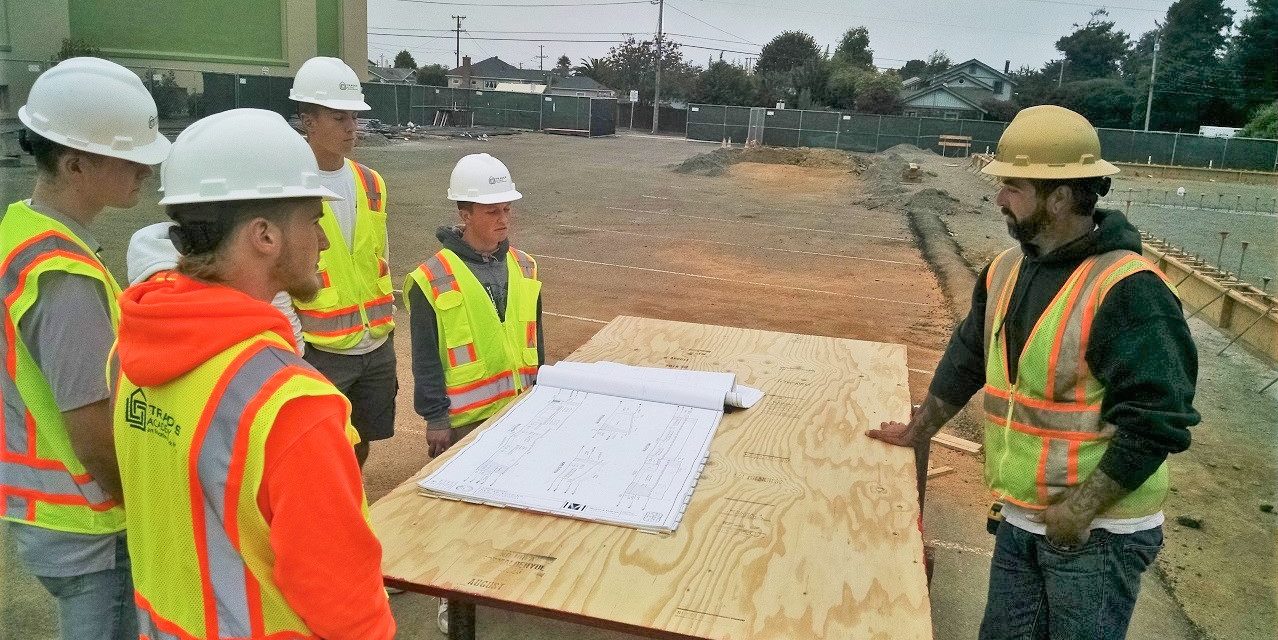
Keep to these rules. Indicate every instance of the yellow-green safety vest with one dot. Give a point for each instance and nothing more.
(42, 481)
(356, 289)
(486, 361)
(1043, 431)
(192, 453)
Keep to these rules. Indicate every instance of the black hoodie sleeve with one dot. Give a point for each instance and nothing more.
(961, 372)
(430, 396)
(1143, 353)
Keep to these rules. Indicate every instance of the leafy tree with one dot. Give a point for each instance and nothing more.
(562, 66)
(595, 68)
(1094, 50)
(913, 69)
(999, 110)
(632, 65)
(434, 75)
(812, 78)
(843, 86)
(880, 93)
(1253, 51)
(854, 49)
(937, 63)
(1192, 85)
(1263, 123)
(1105, 102)
(404, 60)
(723, 83)
(786, 52)
(75, 48)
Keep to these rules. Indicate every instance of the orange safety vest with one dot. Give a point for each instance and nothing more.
(1043, 430)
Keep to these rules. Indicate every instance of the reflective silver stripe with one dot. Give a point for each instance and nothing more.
(226, 565)
(372, 191)
(15, 507)
(1056, 472)
(1070, 366)
(1086, 421)
(1001, 278)
(50, 481)
(527, 379)
(460, 355)
(462, 401)
(441, 280)
(380, 310)
(330, 324)
(15, 413)
(147, 626)
(526, 264)
(23, 259)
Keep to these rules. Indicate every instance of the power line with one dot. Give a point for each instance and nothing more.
(724, 31)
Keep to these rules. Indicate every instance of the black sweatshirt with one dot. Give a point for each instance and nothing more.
(1140, 350)
(430, 396)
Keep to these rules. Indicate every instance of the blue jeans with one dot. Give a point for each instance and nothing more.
(97, 606)
(1038, 591)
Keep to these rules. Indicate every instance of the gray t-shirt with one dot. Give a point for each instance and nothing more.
(69, 334)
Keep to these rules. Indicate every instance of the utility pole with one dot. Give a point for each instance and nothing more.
(541, 57)
(1153, 68)
(457, 51)
(1061, 77)
(656, 88)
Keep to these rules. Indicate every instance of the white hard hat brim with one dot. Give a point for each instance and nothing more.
(254, 194)
(495, 198)
(152, 153)
(340, 105)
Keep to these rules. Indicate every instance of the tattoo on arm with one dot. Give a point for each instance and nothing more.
(930, 417)
(1096, 494)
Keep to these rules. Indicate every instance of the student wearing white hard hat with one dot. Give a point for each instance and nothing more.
(246, 504)
(92, 128)
(475, 312)
(347, 327)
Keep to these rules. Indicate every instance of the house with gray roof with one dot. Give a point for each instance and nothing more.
(581, 86)
(959, 92)
(488, 73)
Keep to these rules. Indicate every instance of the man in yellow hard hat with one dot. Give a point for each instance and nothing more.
(348, 325)
(1088, 369)
(91, 125)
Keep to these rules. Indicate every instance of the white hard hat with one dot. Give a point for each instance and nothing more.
(328, 82)
(97, 106)
(241, 154)
(481, 178)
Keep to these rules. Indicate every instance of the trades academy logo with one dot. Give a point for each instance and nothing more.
(140, 414)
(497, 179)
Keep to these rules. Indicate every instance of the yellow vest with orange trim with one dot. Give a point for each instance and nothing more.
(42, 481)
(487, 361)
(1043, 430)
(192, 456)
(356, 292)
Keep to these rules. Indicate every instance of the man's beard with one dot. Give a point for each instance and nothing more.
(1026, 230)
(301, 286)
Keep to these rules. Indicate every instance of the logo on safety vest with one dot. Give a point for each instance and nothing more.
(140, 414)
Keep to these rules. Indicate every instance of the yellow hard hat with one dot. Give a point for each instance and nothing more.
(1048, 142)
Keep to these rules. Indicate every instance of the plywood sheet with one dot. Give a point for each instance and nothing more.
(800, 527)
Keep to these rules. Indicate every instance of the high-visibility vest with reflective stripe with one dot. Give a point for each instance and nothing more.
(42, 481)
(1043, 431)
(486, 361)
(356, 290)
(191, 457)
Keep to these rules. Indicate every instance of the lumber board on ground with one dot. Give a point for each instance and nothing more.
(955, 442)
(936, 472)
(800, 526)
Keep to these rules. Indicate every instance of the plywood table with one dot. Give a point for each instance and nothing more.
(800, 526)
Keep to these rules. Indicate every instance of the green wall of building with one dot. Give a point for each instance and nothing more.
(236, 31)
(328, 28)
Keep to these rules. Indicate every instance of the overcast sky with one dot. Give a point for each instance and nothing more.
(1023, 31)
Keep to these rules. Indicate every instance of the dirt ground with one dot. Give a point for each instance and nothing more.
(806, 243)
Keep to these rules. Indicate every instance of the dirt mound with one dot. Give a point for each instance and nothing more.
(932, 200)
(717, 162)
(906, 148)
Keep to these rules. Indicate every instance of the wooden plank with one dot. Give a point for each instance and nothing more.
(955, 442)
(936, 472)
(800, 526)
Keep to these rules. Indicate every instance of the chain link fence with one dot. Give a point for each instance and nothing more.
(869, 133)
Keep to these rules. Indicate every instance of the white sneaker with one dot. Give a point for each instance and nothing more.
(442, 620)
